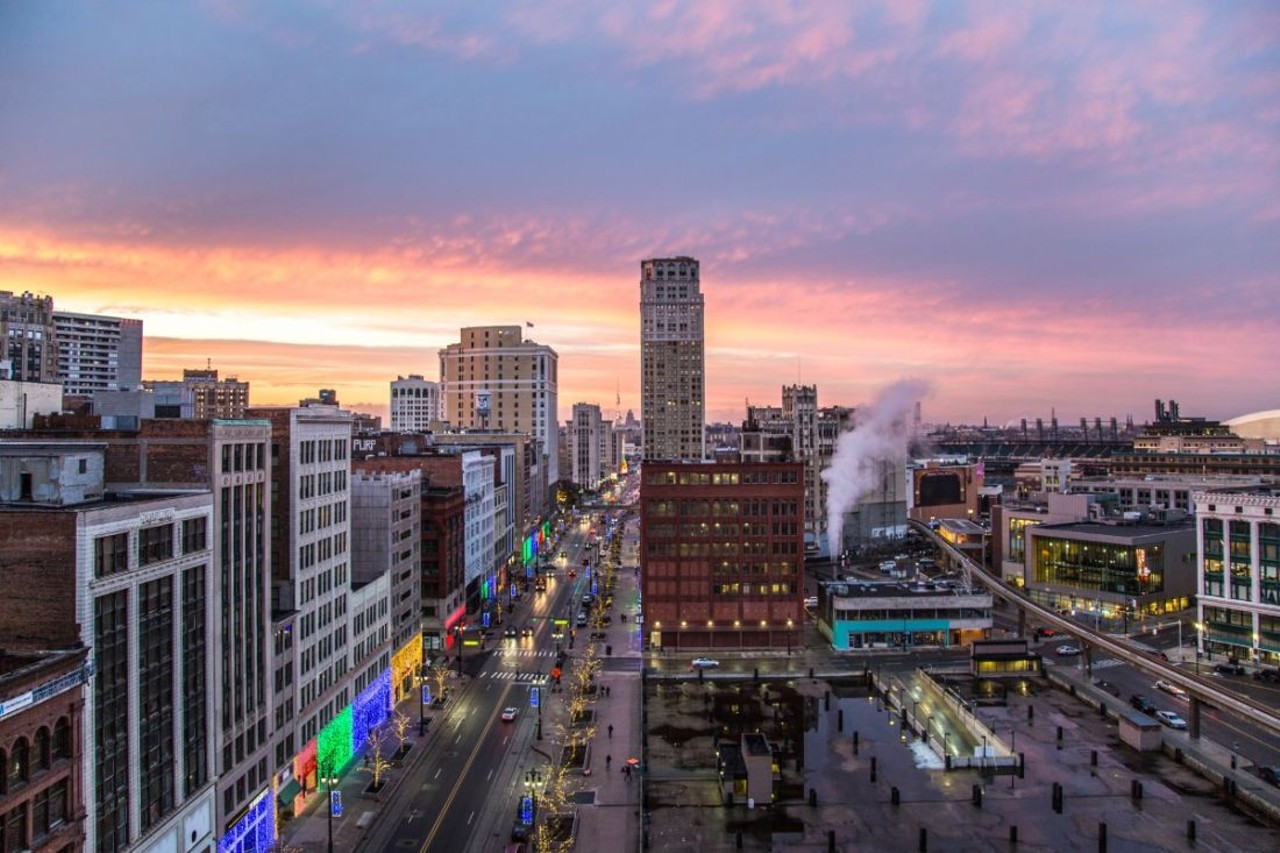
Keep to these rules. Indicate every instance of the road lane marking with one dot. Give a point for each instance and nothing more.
(462, 774)
(470, 818)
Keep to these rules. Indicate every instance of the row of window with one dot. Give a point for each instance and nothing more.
(111, 553)
(242, 456)
(322, 450)
(722, 478)
(721, 508)
(48, 811)
(747, 548)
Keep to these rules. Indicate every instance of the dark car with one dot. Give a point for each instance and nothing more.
(1267, 675)
(1270, 774)
(1228, 669)
(1142, 703)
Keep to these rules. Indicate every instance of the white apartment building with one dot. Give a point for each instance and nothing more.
(672, 361)
(98, 353)
(415, 404)
(312, 557)
(386, 538)
(494, 379)
(1238, 599)
(477, 483)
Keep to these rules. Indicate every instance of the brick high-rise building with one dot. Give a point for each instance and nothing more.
(672, 363)
(28, 336)
(494, 379)
(722, 554)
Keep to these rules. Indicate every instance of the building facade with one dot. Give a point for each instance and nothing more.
(672, 360)
(1238, 602)
(41, 725)
(386, 531)
(415, 404)
(199, 395)
(98, 353)
(722, 554)
(588, 445)
(494, 379)
(30, 338)
(901, 615)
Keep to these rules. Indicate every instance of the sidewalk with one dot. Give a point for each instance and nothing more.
(612, 820)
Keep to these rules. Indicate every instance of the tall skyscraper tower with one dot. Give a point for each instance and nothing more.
(672, 363)
(494, 379)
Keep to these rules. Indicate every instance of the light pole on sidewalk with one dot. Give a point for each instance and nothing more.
(422, 699)
(329, 782)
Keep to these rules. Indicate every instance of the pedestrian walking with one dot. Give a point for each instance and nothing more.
(611, 731)
(608, 762)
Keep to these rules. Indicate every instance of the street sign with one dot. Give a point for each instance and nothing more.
(335, 803)
(426, 694)
(533, 697)
(526, 811)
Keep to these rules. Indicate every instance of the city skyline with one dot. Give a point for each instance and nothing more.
(1028, 209)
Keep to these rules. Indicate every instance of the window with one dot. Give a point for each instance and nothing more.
(50, 808)
(18, 768)
(194, 535)
(110, 554)
(155, 544)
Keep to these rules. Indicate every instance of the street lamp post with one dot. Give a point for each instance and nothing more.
(457, 636)
(422, 699)
(329, 782)
(789, 626)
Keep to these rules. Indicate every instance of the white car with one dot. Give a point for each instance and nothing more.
(1170, 719)
(703, 663)
(811, 602)
(1067, 650)
(509, 714)
(1171, 689)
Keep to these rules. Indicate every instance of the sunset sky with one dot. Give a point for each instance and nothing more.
(1069, 205)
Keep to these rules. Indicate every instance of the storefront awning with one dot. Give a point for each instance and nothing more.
(289, 792)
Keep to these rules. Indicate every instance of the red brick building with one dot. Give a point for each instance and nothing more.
(41, 718)
(722, 554)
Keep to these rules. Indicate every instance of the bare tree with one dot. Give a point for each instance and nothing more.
(439, 673)
(400, 724)
(378, 764)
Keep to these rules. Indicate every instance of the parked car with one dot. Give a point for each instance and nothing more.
(1170, 719)
(704, 663)
(1041, 633)
(1272, 675)
(1142, 703)
(1067, 650)
(1170, 688)
(1228, 669)
(1270, 774)
(509, 714)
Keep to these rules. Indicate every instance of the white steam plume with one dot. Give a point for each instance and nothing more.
(882, 434)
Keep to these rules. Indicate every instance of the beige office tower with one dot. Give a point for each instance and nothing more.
(495, 379)
(672, 364)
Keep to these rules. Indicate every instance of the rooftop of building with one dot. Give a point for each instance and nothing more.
(755, 743)
(1120, 528)
(895, 589)
(20, 665)
(1262, 490)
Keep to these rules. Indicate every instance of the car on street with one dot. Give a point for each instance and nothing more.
(1228, 669)
(1170, 719)
(1067, 650)
(1270, 774)
(509, 714)
(1142, 703)
(510, 632)
(811, 602)
(1170, 688)
(1041, 633)
(526, 632)
(1272, 675)
(703, 663)
(582, 619)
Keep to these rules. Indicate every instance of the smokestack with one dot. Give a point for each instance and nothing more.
(882, 435)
